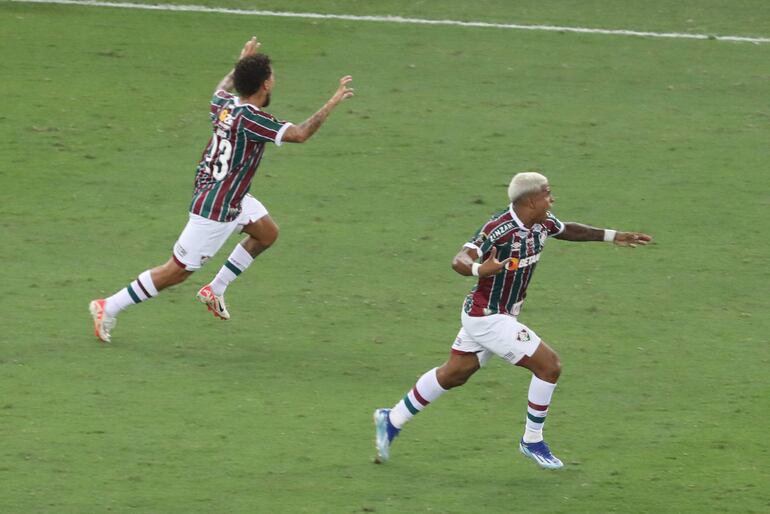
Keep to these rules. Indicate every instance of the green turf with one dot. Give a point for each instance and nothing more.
(662, 406)
(723, 17)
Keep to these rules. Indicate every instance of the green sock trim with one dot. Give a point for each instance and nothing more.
(409, 405)
(229, 265)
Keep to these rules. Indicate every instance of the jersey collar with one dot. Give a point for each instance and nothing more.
(516, 218)
(238, 103)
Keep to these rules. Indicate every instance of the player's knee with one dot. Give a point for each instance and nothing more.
(266, 237)
(457, 376)
(552, 371)
(270, 237)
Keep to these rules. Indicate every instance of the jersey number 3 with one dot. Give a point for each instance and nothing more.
(221, 151)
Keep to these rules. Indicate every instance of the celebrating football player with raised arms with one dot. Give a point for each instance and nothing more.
(503, 255)
(221, 202)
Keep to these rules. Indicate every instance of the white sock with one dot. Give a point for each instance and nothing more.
(138, 291)
(238, 261)
(425, 391)
(539, 398)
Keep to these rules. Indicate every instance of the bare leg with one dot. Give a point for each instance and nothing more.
(544, 363)
(261, 235)
(457, 370)
(431, 385)
(169, 274)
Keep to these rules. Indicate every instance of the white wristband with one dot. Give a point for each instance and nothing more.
(475, 269)
(609, 235)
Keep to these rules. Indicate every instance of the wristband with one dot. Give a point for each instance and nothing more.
(475, 269)
(609, 235)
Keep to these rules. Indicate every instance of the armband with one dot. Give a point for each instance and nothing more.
(609, 235)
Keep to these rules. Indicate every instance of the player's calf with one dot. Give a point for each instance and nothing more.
(457, 370)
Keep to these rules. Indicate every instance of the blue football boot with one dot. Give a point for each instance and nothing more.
(385, 432)
(541, 454)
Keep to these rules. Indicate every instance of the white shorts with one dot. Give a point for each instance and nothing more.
(498, 334)
(202, 238)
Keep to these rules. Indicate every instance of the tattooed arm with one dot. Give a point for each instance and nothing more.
(580, 232)
(302, 132)
(250, 48)
(226, 83)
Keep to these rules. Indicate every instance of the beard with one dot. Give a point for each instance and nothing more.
(267, 100)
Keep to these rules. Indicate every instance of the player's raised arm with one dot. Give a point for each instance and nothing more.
(302, 132)
(580, 232)
(250, 48)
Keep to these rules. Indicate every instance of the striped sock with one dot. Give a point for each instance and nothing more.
(138, 291)
(539, 398)
(425, 391)
(238, 261)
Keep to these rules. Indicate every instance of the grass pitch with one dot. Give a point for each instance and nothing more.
(662, 406)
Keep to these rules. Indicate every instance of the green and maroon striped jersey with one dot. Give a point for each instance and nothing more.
(232, 155)
(504, 292)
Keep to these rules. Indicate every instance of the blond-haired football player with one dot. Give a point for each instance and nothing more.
(503, 255)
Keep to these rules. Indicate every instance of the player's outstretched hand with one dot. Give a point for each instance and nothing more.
(632, 239)
(343, 91)
(492, 266)
(251, 47)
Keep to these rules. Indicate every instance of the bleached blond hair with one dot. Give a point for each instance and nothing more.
(523, 184)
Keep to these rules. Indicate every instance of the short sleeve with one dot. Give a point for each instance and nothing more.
(218, 101)
(553, 225)
(480, 241)
(263, 127)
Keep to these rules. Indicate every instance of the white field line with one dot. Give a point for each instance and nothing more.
(398, 19)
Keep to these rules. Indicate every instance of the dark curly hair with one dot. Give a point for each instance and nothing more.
(250, 73)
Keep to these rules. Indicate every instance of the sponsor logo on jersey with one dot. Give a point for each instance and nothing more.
(225, 118)
(515, 264)
(500, 231)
